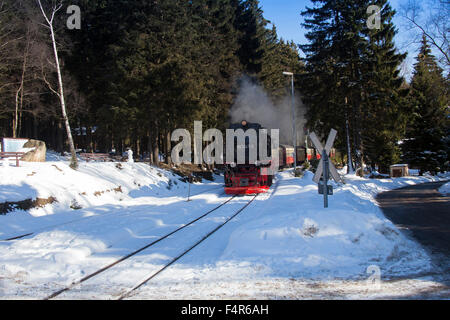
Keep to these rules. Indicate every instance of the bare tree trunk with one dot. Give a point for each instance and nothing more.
(35, 127)
(19, 94)
(19, 100)
(73, 162)
(16, 115)
(138, 148)
(60, 138)
(55, 9)
(156, 148)
(168, 149)
(149, 146)
(349, 153)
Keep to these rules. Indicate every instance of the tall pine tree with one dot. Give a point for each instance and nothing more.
(426, 144)
(352, 76)
(384, 113)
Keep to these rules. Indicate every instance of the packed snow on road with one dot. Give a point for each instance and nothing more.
(284, 245)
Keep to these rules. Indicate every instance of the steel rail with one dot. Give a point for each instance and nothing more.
(123, 296)
(73, 284)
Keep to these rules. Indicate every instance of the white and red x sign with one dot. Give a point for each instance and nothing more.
(334, 174)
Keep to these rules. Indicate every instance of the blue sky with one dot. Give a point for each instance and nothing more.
(285, 14)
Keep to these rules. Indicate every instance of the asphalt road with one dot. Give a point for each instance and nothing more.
(424, 214)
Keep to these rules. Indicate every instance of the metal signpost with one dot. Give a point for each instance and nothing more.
(190, 179)
(325, 167)
(294, 130)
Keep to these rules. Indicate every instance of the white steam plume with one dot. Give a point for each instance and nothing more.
(254, 105)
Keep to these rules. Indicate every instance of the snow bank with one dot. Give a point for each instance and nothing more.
(92, 184)
(445, 189)
(297, 237)
(96, 188)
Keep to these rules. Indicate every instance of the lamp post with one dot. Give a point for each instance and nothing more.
(294, 130)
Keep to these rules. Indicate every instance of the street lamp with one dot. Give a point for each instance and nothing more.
(294, 131)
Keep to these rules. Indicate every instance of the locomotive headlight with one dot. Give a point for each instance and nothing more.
(233, 164)
(244, 123)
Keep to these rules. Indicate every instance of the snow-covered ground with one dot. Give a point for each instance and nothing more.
(284, 245)
(445, 189)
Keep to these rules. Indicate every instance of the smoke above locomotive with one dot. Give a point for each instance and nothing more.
(245, 143)
(254, 104)
(267, 123)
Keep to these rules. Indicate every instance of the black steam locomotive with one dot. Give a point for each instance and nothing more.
(253, 176)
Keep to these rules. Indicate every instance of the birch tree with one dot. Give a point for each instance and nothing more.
(49, 17)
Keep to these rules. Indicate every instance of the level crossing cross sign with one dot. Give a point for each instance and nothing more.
(325, 167)
(319, 172)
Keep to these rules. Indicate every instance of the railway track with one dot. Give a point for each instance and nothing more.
(128, 256)
(153, 275)
(53, 226)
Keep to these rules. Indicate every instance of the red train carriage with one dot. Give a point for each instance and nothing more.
(286, 156)
(304, 154)
(311, 154)
(248, 178)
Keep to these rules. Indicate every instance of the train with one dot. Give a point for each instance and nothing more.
(254, 178)
(248, 178)
(286, 155)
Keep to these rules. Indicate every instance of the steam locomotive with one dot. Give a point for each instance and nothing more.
(248, 178)
(255, 177)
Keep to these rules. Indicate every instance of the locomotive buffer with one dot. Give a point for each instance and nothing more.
(325, 167)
